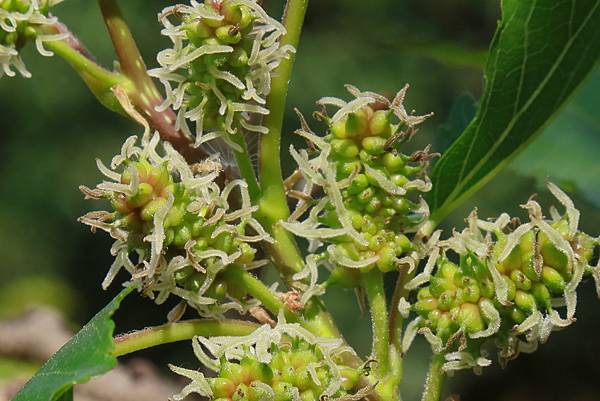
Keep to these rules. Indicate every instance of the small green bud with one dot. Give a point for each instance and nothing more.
(338, 129)
(366, 195)
(551, 255)
(358, 184)
(423, 294)
(182, 236)
(528, 266)
(512, 288)
(445, 326)
(517, 315)
(403, 243)
(345, 148)
(238, 58)
(195, 281)
(486, 288)
(424, 306)
(357, 123)
(374, 145)
(399, 180)
(471, 293)
(142, 196)
(448, 270)
(525, 302)
(542, 295)
(393, 162)
(221, 387)
(470, 319)
(380, 123)
(151, 208)
(521, 281)
(447, 300)
(553, 280)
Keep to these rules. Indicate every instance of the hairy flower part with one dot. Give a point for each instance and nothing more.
(21, 21)
(369, 186)
(507, 285)
(218, 72)
(281, 363)
(179, 223)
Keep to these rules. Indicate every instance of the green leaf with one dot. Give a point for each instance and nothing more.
(576, 132)
(541, 52)
(462, 112)
(87, 354)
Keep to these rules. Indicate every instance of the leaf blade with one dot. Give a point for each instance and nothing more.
(87, 354)
(537, 59)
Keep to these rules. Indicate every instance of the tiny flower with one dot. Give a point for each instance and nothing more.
(284, 362)
(20, 21)
(506, 285)
(218, 72)
(369, 204)
(178, 222)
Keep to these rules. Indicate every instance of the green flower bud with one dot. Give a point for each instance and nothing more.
(553, 280)
(521, 281)
(525, 302)
(380, 123)
(151, 208)
(357, 123)
(338, 129)
(374, 145)
(393, 162)
(512, 288)
(426, 305)
(222, 387)
(542, 295)
(551, 255)
(345, 148)
(470, 319)
(517, 315)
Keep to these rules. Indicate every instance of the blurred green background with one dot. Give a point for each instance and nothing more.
(52, 128)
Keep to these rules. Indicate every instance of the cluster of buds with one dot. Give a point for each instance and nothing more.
(218, 72)
(366, 210)
(179, 223)
(282, 363)
(20, 21)
(508, 282)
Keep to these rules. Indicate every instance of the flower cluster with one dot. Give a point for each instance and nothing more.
(282, 363)
(179, 223)
(20, 21)
(366, 180)
(218, 72)
(506, 286)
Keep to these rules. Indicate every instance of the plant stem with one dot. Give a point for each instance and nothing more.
(397, 321)
(172, 332)
(373, 284)
(258, 290)
(435, 379)
(245, 166)
(273, 203)
(97, 78)
(146, 96)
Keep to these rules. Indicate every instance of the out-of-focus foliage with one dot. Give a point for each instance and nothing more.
(574, 140)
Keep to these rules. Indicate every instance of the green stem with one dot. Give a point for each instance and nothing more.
(258, 290)
(98, 79)
(172, 332)
(373, 284)
(273, 205)
(146, 96)
(245, 167)
(435, 379)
